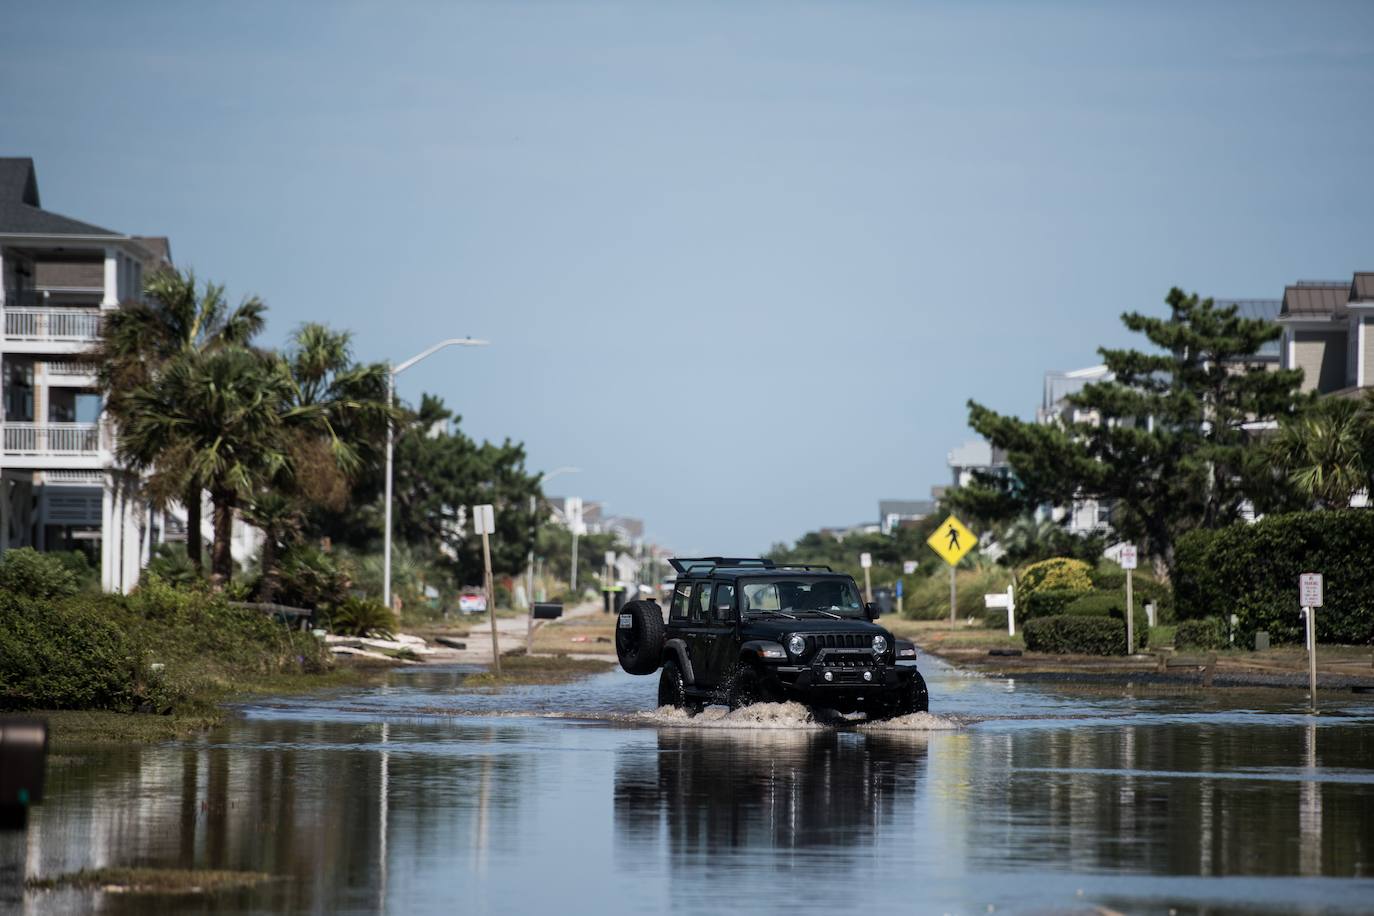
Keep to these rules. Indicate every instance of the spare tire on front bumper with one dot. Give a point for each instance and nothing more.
(639, 637)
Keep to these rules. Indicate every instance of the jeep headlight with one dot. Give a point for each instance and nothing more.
(879, 645)
(796, 645)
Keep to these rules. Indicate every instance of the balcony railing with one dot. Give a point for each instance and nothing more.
(66, 367)
(79, 325)
(40, 439)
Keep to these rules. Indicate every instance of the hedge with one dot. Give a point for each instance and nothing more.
(1111, 604)
(1066, 635)
(1049, 602)
(1208, 633)
(1251, 570)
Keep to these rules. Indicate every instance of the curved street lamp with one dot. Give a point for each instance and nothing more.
(392, 372)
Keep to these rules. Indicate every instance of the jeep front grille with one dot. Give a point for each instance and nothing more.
(837, 641)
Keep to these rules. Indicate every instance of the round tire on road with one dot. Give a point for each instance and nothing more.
(745, 689)
(916, 698)
(639, 637)
(672, 686)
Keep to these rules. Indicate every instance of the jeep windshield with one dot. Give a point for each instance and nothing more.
(796, 597)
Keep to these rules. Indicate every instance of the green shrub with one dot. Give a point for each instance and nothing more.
(171, 563)
(1066, 635)
(358, 617)
(1111, 604)
(311, 578)
(1107, 576)
(1058, 573)
(1251, 570)
(927, 598)
(1048, 602)
(28, 573)
(1208, 633)
(66, 656)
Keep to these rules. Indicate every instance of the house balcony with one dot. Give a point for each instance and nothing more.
(51, 330)
(54, 445)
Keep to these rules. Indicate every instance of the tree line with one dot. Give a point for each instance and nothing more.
(292, 440)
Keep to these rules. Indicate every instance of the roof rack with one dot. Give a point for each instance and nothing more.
(706, 565)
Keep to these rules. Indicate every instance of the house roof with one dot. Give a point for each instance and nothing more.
(1316, 299)
(20, 212)
(1362, 287)
(906, 507)
(159, 248)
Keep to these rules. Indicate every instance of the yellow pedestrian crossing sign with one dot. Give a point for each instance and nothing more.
(952, 540)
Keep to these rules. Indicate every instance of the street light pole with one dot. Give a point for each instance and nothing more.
(391, 374)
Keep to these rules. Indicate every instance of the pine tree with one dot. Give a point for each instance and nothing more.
(1173, 435)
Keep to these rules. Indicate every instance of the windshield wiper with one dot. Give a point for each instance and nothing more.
(776, 614)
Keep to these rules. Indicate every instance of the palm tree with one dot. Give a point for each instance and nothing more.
(1326, 451)
(219, 416)
(137, 343)
(280, 518)
(335, 417)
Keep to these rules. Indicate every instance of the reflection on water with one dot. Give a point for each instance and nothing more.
(368, 803)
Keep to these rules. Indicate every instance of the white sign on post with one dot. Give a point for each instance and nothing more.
(610, 558)
(908, 567)
(1310, 588)
(483, 520)
(865, 560)
(1128, 557)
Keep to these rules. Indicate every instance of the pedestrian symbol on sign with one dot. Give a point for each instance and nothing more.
(953, 535)
(952, 540)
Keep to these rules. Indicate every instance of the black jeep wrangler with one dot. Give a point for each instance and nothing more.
(743, 631)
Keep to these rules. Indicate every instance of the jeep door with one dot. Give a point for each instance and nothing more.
(725, 646)
(698, 634)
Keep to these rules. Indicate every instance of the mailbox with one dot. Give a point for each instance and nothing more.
(547, 610)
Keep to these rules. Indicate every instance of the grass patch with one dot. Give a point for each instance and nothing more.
(153, 880)
(597, 635)
(539, 669)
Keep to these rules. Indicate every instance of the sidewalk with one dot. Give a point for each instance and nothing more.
(510, 632)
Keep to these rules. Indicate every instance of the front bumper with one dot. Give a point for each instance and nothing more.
(846, 684)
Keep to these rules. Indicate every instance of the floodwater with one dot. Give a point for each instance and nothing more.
(419, 797)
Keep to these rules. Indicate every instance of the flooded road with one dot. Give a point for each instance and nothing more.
(420, 797)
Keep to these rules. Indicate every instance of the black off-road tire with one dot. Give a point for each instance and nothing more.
(915, 697)
(745, 688)
(640, 645)
(672, 689)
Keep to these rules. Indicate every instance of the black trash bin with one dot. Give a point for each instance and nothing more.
(23, 760)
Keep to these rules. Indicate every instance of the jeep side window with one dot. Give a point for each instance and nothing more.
(701, 602)
(723, 607)
(682, 594)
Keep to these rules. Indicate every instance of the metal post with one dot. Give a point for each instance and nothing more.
(953, 597)
(491, 605)
(1311, 655)
(572, 586)
(1130, 613)
(868, 585)
(386, 535)
(529, 590)
(1011, 609)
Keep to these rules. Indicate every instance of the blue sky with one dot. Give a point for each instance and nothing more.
(743, 263)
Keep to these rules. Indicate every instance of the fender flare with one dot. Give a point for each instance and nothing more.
(679, 648)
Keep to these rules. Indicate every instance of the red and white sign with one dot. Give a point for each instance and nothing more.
(1128, 556)
(1310, 589)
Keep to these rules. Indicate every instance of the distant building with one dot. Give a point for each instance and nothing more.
(973, 456)
(894, 513)
(1059, 386)
(1328, 333)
